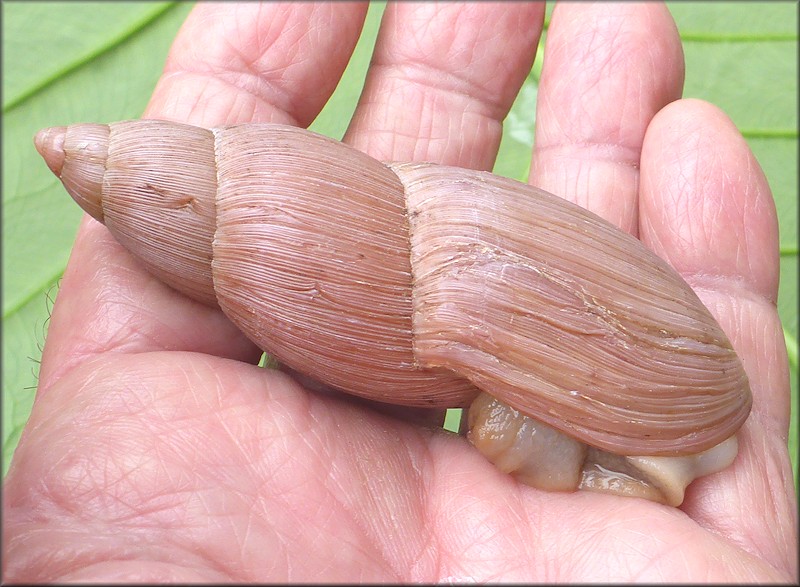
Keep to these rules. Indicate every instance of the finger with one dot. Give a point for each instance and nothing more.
(706, 207)
(230, 63)
(608, 69)
(442, 79)
(256, 62)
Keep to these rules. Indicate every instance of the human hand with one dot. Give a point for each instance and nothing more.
(157, 450)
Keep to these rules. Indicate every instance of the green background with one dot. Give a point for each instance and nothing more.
(98, 62)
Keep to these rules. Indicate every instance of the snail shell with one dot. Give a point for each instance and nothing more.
(419, 284)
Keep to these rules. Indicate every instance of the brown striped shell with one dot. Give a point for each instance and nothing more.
(414, 283)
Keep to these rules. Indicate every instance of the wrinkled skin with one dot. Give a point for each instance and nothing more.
(157, 450)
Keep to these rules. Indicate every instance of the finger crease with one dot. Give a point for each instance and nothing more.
(732, 284)
(250, 84)
(441, 81)
(594, 151)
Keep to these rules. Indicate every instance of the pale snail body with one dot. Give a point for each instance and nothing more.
(420, 284)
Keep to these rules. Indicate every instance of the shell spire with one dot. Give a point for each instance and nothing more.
(77, 155)
(50, 144)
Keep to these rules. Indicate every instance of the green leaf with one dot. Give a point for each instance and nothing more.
(748, 21)
(67, 62)
(63, 62)
(765, 104)
(47, 41)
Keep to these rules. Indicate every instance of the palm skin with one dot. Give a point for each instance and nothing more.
(157, 450)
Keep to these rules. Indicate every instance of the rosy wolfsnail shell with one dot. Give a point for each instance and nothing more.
(419, 284)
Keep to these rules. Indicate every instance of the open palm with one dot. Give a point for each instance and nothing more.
(157, 449)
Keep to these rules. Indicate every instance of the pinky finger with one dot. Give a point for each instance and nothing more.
(706, 207)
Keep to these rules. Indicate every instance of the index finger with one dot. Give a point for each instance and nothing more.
(256, 62)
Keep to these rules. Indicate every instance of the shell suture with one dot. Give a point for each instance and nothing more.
(417, 284)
